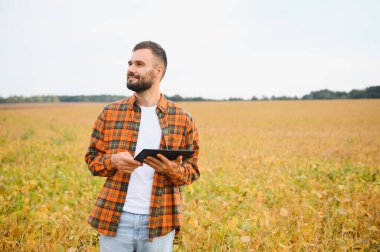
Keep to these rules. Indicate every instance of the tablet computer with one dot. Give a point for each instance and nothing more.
(169, 154)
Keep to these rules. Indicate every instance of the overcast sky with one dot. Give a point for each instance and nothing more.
(216, 49)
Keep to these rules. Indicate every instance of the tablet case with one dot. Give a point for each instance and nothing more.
(169, 154)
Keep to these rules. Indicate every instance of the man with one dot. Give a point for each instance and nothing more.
(139, 206)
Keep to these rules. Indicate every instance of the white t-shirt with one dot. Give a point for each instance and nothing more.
(141, 181)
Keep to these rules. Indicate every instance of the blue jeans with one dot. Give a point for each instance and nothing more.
(132, 235)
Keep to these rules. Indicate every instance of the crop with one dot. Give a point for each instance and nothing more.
(275, 176)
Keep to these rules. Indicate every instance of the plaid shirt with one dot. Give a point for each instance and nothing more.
(116, 130)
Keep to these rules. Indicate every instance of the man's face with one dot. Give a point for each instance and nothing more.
(141, 71)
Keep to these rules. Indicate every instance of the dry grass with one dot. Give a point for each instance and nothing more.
(275, 176)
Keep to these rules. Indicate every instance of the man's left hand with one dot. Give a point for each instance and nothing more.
(162, 164)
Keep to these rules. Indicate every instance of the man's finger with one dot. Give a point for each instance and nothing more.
(163, 159)
(179, 160)
(153, 165)
(127, 171)
(153, 160)
(132, 162)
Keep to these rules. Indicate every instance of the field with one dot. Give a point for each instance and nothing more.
(275, 176)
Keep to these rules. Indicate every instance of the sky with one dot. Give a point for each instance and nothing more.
(216, 49)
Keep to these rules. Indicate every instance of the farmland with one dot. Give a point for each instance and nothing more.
(275, 176)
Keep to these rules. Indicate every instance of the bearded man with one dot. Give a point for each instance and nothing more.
(139, 205)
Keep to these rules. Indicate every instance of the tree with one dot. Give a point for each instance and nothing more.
(372, 92)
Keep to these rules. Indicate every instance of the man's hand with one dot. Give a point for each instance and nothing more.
(124, 162)
(162, 164)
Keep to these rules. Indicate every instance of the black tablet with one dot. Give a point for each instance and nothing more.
(169, 154)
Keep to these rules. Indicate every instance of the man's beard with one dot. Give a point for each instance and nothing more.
(142, 83)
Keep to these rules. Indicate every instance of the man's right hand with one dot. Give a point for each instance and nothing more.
(124, 162)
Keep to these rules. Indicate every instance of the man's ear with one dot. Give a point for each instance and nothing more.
(159, 71)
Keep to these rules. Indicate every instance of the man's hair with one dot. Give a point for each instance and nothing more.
(156, 49)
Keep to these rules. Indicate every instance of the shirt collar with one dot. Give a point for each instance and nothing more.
(162, 103)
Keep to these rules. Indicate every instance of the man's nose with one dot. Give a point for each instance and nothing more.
(131, 69)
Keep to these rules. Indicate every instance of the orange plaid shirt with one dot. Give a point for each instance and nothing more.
(116, 130)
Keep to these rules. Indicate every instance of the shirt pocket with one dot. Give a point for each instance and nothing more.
(116, 140)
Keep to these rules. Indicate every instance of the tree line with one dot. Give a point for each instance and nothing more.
(324, 94)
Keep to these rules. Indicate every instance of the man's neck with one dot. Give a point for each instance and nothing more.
(149, 98)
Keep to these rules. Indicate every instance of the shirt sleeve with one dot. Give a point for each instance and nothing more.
(99, 163)
(188, 171)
